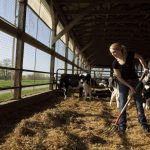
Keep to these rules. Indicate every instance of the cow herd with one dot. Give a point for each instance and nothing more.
(84, 85)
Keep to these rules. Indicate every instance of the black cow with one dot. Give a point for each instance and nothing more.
(70, 81)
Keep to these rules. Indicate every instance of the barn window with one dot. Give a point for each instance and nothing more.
(38, 60)
(9, 10)
(69, 68)
(37, 28)
(76, 60)
(59, 64)
(70, 54)
(7, 59)
(41, 8)
(60, 47)
(75, 70)
(39, 70)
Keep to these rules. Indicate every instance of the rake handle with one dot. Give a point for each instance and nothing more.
(123, 109)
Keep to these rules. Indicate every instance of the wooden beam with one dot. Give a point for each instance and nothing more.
(90, 56)
(104, 12)
(8, 28)
(118, 29)
(91, 62)
(105, 1)
(134, 39)
(84, 48)
(113, 21)
(87, 46)
(74, 22)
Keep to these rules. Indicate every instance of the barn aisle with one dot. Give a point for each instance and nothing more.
(76, 124)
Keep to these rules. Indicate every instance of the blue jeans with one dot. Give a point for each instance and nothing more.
(123, 91)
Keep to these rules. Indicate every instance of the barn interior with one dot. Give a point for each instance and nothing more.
(97, 24)
(43, 39)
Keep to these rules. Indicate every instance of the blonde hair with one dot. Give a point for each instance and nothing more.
(121, 47)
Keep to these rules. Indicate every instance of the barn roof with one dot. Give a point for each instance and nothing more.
(95, 24)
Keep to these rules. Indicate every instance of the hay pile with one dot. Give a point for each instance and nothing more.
(76, 125)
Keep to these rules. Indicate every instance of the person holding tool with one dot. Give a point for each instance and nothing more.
(124, 70)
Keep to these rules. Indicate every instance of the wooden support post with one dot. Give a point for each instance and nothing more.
(52, 63)
(20, 48)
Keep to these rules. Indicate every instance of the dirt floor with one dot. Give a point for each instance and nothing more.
(73, 124)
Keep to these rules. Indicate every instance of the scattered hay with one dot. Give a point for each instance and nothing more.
(76, 124)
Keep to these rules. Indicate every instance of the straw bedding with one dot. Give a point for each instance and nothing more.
(76, 124)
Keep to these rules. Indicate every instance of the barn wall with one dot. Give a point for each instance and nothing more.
(9, 108)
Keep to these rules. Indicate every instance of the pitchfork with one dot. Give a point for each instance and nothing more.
(114, 126)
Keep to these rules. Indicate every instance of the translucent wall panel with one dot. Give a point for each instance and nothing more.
(42, 61)
(79, 63)
(35, 59)
(6, 81)
(6, 95)
(76, 60)
(45, 13)
(29, 57)
(42, 9)
(7, 50)
(70, 54)
(35, 5)
(31, 23)
(59, 64)
(44, 33)
(9, 10)
(69, 69)
(6, 78)
(30, 78)
(37, 28)
(75, 70)
(60, 47)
